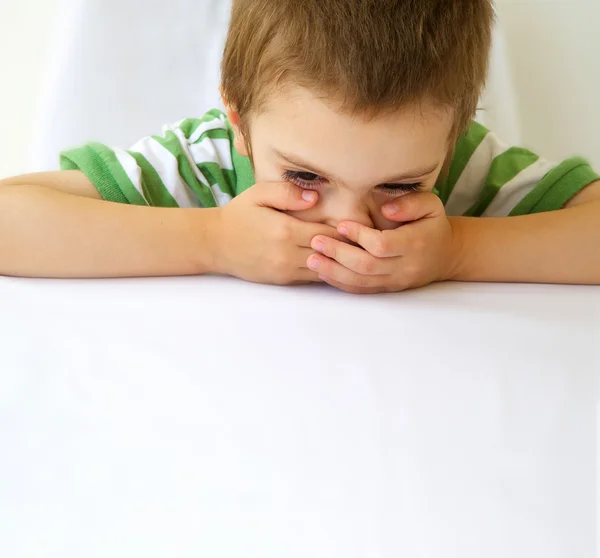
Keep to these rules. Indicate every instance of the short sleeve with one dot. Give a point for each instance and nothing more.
(488, 178)
(189, 165)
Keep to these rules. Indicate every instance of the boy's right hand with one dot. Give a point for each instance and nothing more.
(256, 241)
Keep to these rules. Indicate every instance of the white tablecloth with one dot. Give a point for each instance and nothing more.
(211, 417)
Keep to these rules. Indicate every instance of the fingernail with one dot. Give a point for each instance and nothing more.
(343, 230)
(308, 196)
(314, 264)
(391, 209)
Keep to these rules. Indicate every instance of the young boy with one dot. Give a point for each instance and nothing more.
(348, 155)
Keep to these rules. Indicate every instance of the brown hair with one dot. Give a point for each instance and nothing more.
(374, 56)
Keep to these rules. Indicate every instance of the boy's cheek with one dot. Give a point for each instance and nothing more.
(308, 215)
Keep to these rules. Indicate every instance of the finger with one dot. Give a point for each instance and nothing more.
(349, 289)
(412, 207)
(305, 275)
(283, 196)
(300, 258)
(331, 269)
(351, 257)
(302, 272)
(381, 244)
(305, 233)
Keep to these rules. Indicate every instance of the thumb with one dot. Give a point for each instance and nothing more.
(284, 196)
(413, 207)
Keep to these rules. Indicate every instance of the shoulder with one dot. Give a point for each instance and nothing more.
(210, 143)
(490, 178)
(212, 125)
(208, 139)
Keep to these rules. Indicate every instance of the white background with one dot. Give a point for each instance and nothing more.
(553, 46)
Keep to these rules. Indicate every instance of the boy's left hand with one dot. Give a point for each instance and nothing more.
(420, 251)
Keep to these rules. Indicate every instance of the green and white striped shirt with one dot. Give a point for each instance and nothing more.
(194, 164)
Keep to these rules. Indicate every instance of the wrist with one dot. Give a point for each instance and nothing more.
(206, 229)
(456, 269)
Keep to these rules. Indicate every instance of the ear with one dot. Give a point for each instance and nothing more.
(234, 119)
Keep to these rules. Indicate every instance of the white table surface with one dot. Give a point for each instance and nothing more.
(211, 417)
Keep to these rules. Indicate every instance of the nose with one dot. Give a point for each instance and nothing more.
(362, 218)
(347, 208)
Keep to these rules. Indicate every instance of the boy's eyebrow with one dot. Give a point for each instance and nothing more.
(296, 161)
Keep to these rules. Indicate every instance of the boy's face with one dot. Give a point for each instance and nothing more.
(356, 166)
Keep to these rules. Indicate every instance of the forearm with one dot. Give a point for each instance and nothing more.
(556, 247)
(45, 233)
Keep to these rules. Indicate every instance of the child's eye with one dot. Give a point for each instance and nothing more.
(395, 189)
(303, 179)
(311, 180)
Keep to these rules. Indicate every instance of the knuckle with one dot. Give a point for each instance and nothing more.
(381, 246)
(366, 266)
(284, 232)
(378, 249)
(361, 282)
